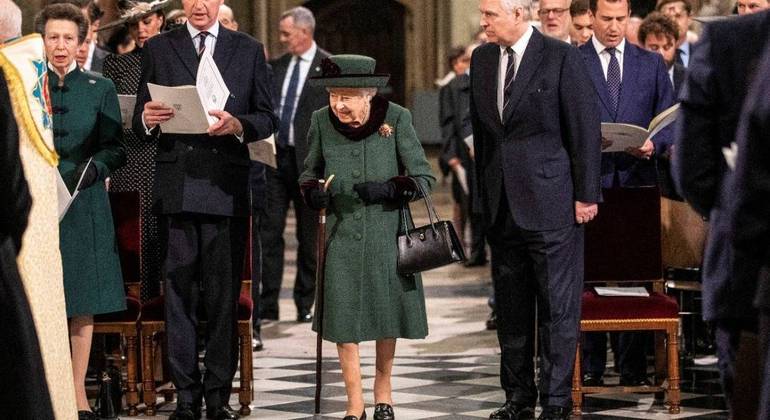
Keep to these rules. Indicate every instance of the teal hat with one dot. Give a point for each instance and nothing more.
(349, 70)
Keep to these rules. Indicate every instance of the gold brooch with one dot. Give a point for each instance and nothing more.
(386, 130)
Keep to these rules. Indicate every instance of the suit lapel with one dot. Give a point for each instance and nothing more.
(629, 82)
(184, 48)
(597, 74)
(529, 65)
(224, 49)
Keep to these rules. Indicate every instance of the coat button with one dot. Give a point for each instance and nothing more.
(214, 151)
(358, 236)
(189, 147)
(356, 152)
(357, 216)
(356, 173)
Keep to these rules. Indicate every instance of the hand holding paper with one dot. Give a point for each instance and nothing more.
(156, 112)
(226, 125)
(643, 152)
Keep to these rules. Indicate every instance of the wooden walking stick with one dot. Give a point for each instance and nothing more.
(319, 281)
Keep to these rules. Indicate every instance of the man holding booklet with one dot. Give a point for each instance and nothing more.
(633, 87)
(201, 187)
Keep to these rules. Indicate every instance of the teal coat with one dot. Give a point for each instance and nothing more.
(365, 298)
(86, 120)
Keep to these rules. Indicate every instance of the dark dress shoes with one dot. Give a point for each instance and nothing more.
(185, 411)
(492, 321)
(513, 411)
(554, 413)
(87, 415)
(383, 412)
(304, 315)
(256, 342)
(591, 379)
(362, 417)
(222, 413)
(476, 261)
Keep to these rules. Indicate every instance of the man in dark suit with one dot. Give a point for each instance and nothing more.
(537, 146)
(201, 187)
(680, 11)
(295, 101)
(633, 87)
(721, 70)
(658, 34)
(751, 209)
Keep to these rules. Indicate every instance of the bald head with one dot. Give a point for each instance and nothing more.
(10, 20)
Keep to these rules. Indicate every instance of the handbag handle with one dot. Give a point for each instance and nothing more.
(432, 214)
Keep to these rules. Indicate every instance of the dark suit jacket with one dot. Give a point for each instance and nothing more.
(645, 92)
(546, 155)
(310, 99)
(200, 173)
(720, 72)
(751, 212)
(97, 61)
(454, 103)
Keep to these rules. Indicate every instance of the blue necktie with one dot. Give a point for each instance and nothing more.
(613, 82)
(287, 111)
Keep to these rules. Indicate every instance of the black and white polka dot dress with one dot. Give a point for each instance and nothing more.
(139, 172)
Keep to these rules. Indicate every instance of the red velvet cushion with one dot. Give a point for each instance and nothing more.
(657, 305)
(131, 314)
(154, 309)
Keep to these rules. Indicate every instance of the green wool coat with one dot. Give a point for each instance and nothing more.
(86, 121)
(364, 297)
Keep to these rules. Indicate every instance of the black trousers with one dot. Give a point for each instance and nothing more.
(282, 189)
(256, 268)
(629, 349)
(204, 262)
(538, 275)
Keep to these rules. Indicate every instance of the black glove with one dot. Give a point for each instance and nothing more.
(314, 196)
(89, 178)
(376, 192)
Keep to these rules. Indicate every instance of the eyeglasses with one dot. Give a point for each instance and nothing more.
(557, 11)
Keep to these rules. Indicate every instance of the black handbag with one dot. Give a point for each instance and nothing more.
(426, 247)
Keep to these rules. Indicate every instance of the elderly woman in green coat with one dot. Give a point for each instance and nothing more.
(370, 146)
(88, 138)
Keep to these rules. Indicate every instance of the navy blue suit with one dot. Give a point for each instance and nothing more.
(751, 210)
(720, 72)
(202, 188)
(531, 168)
(645, 92)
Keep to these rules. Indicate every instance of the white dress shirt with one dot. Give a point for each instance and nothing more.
(685, 53)
(518, 53)
(211, 39)
(305, 60)
(604, 56)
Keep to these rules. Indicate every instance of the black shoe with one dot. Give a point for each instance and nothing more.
(256, 342)
(476, 261)
(492, 321)
(362, 417)
(87, 415)
(554, 413)
(591, 379)
(304, 315)
(383, 412)
(185, 411)
(222, 413)
(634, 381)
(513, 411)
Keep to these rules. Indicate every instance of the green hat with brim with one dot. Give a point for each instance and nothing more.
(349, 71)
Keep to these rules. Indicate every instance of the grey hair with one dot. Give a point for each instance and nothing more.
(367, 91)
(10, 20)
(302, 16)
(510, 5)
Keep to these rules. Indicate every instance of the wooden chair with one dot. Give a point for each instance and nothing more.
(153, 324)
(623, 244)
(126, 218)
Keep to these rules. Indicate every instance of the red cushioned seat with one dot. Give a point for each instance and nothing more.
(657, 305)
(131, 314)
(154, 309)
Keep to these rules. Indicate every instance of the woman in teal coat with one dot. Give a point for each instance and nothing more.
(87, 126)
(368, 144)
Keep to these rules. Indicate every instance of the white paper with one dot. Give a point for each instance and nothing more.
(63, 193)
(127, 104)
(622, 291)
(263, 151)
(624, 136)
(192, 103)
(212, 89)
(189, 115)
(731, 155)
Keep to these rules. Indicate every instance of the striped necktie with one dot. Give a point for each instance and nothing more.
(202, 43)
(510, 73)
